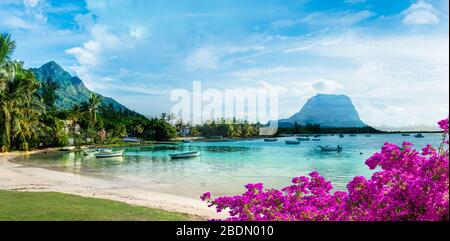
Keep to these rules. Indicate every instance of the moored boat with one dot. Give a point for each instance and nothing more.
(292, 142)
(330, 148)
(68, 148)
(315, 139)
(419, 135)
(270, 139)
(353, 135)
(185, 155)
(303, 139)
(341, 135)
(88, 152)
(108, 154)
(405, 134)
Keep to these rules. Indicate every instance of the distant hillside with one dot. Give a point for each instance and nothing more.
(71, 89)
(327, 111)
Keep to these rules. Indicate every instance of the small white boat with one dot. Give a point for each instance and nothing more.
(68, 148)
(270, 139)
(185, 155)
(88, 152)
(108, 153)
(303, 139)
(330, 148)
(292, 142)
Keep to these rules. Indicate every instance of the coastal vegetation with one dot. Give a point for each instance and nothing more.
(409, 185)
(35, 206)
(31, 116)
(317, 129)
(224, 128)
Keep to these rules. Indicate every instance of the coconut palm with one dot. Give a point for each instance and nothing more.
(7, 46)
(19, 108)
(91, 107)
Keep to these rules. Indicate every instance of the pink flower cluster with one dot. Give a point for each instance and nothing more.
(410, 185)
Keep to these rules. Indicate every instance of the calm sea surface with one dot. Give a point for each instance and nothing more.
(225, 167)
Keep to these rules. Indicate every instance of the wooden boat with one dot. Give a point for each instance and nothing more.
(292, 142)
(68, 148)
(303, 139)
(108, 154)
(88, 152)
(330, 148)
(270, 139)
(185, 155)
(419, 135)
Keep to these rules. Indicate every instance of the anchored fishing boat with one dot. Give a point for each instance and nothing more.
(88, 152)
(292, 142)
(303, 139)
(419, 135)
(185, 155)
(270, 139)
(330, 148)
(404, 134)
(108, 154)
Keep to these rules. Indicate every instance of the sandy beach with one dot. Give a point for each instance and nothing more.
(20, 177)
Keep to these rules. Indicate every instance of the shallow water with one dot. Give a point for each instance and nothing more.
(225, 167)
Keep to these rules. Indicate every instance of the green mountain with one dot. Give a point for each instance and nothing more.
(71, 89)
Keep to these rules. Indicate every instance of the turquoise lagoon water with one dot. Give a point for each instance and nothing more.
(225, 167)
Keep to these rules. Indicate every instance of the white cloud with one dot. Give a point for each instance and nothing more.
(421, 13)
(202, 58)
(326, 86)
(320, 19)
(15, 22)
(31, 3)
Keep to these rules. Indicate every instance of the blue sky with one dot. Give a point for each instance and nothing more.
(390, 57)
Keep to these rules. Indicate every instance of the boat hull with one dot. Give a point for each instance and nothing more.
(109, 154)
(185, 155)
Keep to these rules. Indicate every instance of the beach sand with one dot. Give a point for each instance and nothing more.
(20, 177)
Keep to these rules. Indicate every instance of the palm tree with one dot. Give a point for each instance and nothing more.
(7, 46)
(19, 108)
(91, 107)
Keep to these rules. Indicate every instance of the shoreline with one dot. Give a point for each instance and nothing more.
(20, 177)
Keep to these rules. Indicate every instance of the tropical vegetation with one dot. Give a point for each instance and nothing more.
(29, 117)
(409, 185)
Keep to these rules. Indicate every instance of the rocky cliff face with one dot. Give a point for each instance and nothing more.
(71, 89)
(328, 111)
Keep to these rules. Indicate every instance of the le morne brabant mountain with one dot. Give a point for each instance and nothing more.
(71, 89)
(336, 111)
